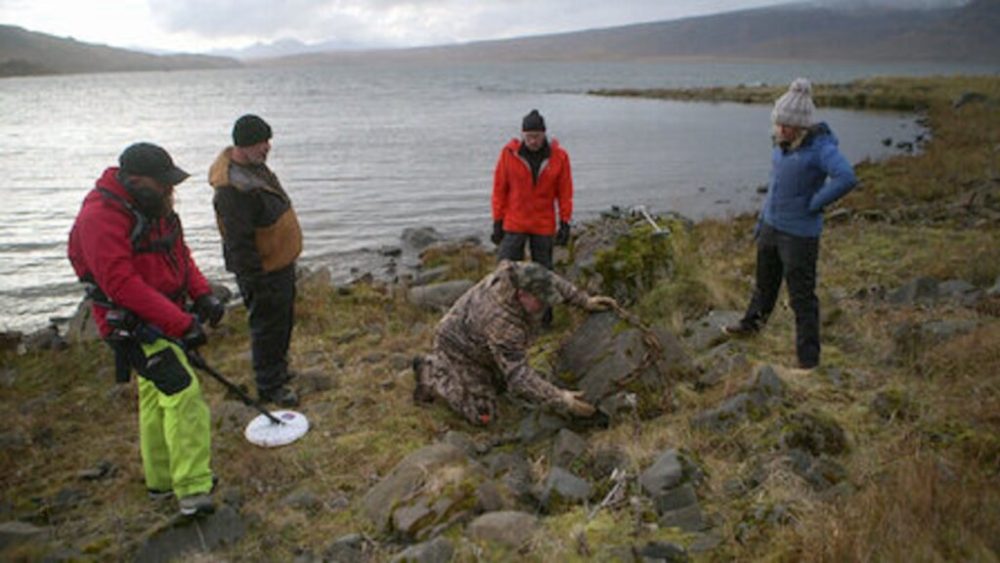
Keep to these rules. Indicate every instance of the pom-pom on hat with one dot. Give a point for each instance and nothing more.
(795, 107)
(250, 130)
(533, 122)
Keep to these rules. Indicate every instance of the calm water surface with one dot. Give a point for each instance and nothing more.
(368, 150)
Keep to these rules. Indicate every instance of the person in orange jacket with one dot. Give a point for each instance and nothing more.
(532, 178)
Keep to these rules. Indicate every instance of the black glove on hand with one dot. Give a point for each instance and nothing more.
(209, 309)
(497, 235)
(562, 236)
(194, 337)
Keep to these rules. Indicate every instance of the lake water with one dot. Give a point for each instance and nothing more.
(366, 150)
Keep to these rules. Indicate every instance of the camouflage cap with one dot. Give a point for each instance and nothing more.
(536, 280)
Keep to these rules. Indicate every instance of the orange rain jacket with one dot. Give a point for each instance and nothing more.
(526, 207)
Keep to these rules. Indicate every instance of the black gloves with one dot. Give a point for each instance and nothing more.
(497, 235)
(194, 337)
(562, 235)
(209, 309)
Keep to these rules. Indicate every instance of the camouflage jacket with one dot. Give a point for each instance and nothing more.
(488, 327)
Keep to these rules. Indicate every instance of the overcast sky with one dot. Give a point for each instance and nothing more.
(202, 25)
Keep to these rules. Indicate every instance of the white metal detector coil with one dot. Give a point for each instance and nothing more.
(264, 433)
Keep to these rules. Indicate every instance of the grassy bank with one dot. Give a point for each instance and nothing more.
(922, 483)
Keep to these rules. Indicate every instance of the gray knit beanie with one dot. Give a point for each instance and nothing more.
(795, 107)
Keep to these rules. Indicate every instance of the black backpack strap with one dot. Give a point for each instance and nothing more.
(141, 222)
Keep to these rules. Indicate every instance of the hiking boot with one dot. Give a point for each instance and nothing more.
(421, 392)
(157, 495)
(741, 329)
(197, 504)
(282, 395)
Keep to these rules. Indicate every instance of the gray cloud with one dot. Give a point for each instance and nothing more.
(894, 4)
(416, 22)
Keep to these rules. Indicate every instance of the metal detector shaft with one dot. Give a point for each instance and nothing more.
(197, 361)
(656, 227)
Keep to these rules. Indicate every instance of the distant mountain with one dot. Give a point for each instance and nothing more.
(24, 52)
(818, 31)
(287, 47)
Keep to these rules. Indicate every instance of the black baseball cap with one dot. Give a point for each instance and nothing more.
(147, 159)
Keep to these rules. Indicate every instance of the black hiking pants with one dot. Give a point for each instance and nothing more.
(512, 248)
(270, 302)
(792, 258)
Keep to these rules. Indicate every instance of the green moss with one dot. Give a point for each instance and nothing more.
(634, 264)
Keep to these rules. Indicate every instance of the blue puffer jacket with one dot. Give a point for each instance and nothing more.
(799, 189)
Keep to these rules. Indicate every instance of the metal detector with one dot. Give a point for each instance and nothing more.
(657, 230)
(268, 430)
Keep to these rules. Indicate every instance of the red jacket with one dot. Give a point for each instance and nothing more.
(525, 207)
(153, 285)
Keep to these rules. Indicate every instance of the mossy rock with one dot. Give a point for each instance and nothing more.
(814, 432)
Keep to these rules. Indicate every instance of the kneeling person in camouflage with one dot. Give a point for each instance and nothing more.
(480, 346)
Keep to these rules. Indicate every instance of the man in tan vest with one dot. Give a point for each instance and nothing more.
(261, 239)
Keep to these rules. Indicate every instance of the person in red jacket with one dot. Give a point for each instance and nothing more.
(532, 178)
(127, 245)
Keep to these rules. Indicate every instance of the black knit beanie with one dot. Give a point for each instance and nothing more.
(250, 130)
(533, 122)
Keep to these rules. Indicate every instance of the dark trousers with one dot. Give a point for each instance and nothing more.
(512, 248)
(784, 256)
(270, 301)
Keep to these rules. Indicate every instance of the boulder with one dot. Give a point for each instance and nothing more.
(433, 486)
(916, 291)
(182, 537)
(419, 238)
(662, 551)
(912, 339)
(765, 391)
(567, 447)
(706, 332)
(512, 470)
(688, 519)
(352, 548)
(676, 498)
(438, 296)
(664, 474)
(820, 472)
(562, 488)
(720, 363)
(430, 275)
(509, 528)
(437, 550)
(539, 424)
(814, 432)
(606, 356)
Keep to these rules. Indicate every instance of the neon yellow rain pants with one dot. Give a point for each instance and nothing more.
(174, 423)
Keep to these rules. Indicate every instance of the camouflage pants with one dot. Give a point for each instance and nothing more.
(465, 386)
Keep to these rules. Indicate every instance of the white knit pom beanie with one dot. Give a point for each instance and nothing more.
(795, 107)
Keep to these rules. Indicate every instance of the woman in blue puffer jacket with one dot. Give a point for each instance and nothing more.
(807, 174)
